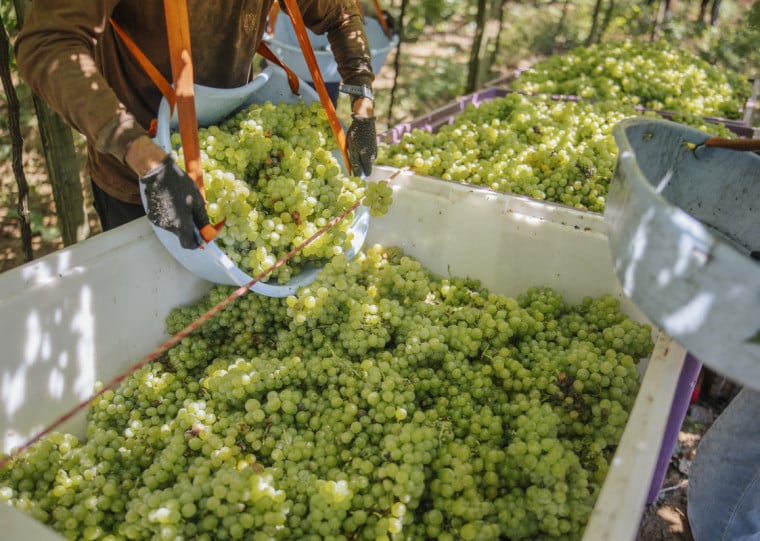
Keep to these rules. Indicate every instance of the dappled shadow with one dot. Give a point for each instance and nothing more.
(79, 316)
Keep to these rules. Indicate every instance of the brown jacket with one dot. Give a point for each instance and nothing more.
(71, 56)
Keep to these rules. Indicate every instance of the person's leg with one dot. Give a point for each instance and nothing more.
(724, 478)
(114, 212)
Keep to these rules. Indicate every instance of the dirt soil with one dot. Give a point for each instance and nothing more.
(666, 519)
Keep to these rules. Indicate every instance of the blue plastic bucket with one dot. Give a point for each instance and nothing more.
(213, 105)
(285, 45)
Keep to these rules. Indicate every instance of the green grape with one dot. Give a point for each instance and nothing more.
(271, 175)
(380, 402)
(656, 75)
(556, 150)
(378, 197)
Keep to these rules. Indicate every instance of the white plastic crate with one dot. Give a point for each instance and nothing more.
(92, 310)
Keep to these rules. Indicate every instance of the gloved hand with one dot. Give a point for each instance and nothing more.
(361, 141)
(390, 20)
(174, 202)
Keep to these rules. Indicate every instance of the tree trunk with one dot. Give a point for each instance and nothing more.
(607, 19)
(17, 144)
(500, 18)
(594, 23)
(397, 59)
(477, 44)
(62, 164)
(660, 17)
(563, 17)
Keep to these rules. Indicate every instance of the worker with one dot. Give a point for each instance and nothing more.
(70, 54)
(724, 478)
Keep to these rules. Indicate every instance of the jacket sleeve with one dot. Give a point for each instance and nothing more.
(343, 23)
(55, 55)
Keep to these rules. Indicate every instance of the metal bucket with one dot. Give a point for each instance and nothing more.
(212, 105)
(681, 225)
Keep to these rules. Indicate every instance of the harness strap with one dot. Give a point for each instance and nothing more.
(155, 75)
(293, 80)
(178, 31)
(381, 18)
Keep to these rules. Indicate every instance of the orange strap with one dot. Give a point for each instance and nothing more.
(178, 31)
(293, 80)
(155, 75)
(183, 95)
(166, 88)
(208, 232)
(272, 17)
(319, 83)
(381, 18)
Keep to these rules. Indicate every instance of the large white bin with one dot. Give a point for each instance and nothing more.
(92, 310)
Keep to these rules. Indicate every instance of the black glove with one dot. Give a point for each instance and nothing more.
(390, 20)
(174, 202)
(361, 141)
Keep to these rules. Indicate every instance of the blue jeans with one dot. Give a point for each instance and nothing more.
(724, 478)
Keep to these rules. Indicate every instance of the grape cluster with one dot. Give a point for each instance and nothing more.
(561, 151)
(271, 174)
(381, 402)
(656, 75)
(378, 197)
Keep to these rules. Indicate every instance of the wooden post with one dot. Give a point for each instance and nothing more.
(62, 164)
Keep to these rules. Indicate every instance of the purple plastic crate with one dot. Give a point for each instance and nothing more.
(738, 127)
(441, 116)
(446, 114)
(687, 381)
(742, 128)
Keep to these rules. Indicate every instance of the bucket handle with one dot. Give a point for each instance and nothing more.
(733, 144)
(742, 145)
